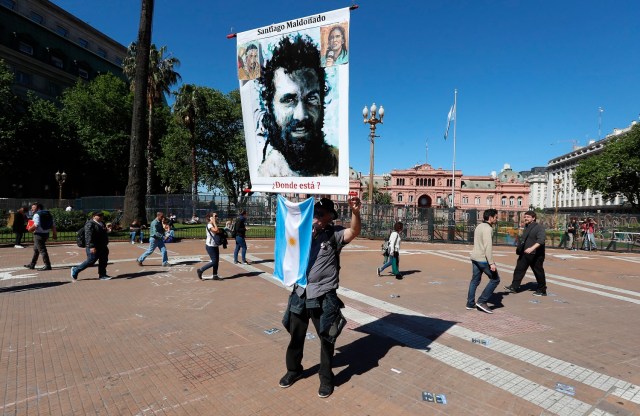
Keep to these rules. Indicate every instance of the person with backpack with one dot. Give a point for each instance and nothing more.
(318, 301)
(96, 241)
(212, 245)
(393, 252)
(239, 232)
(41, 225)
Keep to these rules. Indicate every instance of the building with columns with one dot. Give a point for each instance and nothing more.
(537, 180)
(427, 187)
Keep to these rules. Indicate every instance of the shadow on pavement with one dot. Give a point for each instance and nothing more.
(137, 274)
(239, 275)
(32, 286)
(394, 330)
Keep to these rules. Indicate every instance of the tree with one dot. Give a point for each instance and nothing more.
(8, 120)
(614, 171)
(379, 198)
(96, 116)
(190, 105)
(160, 78)
(134, 201)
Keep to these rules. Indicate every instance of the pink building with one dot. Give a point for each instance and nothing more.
(426, 187)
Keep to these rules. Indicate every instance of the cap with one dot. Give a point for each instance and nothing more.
(98, 213)
(327, 205)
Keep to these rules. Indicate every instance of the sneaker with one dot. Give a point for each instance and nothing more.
(510, 289)
(133, 242)
(325, 390)
(215, 277)
(470, 308)
(105, 277)
(245, 262)
(540, 293)
(139, 263)
(199, 273)
(235, 262)
(166, 264)
(44, 268)
(288, 379)
(74, 273)
(399, 277)
(378, 271)
(484, 307)
(18, 246)
(30, 266)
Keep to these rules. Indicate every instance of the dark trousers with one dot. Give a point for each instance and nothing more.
(40, 247)
(524, 262)
(298, 328)
(214, 255)
(101, 256)
(19, 235)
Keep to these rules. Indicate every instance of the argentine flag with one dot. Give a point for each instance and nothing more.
(294, 223)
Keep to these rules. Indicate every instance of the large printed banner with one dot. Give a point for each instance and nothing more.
(294, 84)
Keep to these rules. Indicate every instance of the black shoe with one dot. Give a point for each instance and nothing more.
(43, 268)
(325, 390)
(30, 266)
(199, 273)
(471, 307)
(288, 379)
(510, 289)
(105, 277)
(540, 293)
(399, 277)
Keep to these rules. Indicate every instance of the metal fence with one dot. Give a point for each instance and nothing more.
(420, 224)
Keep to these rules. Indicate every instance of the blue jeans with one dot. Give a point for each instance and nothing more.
(394, 262)
(101, 256)
(240, 243)
(480, 267)
(214, 255)
(153, 243)
(136, 233)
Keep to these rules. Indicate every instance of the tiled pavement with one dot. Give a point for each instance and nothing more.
(157, 340)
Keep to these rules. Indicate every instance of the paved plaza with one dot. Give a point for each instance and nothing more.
(159, 341)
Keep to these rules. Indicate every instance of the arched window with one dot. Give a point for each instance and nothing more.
(503, 201)
(519, 201)
(477, 202)
(400, 197)
(511, 201)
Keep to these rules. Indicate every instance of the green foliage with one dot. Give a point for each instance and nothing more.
(615, 170)
(68, 220)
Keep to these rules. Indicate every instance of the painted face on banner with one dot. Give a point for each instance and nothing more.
(297, 106)
(252, 59)
(336, 40)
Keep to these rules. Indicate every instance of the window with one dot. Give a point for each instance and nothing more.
(400, 181)
(25, 48)
(62, 31)
(489, 200)
(23, 78)
(9, 4)
(410, 198)
(465, 200)
(503, 201)
(83, 42)
(400, 197)
(477, 201)
(511, 201)
(54, 89)
(449, 182)
(118, 61)
(57, 62)
(519, 201)
(83, 73)
(36, 17)
(102, 53)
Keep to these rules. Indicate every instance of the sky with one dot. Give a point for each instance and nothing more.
(531, 75)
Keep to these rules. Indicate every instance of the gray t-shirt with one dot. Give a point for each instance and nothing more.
(322, 271)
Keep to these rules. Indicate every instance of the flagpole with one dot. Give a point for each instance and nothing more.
(455, 121)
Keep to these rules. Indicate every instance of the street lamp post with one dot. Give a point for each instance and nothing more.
(61, 178)
(556, 188)
(371, 119)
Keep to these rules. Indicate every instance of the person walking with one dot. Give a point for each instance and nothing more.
(19, 227)
(156, 234)
(482, 262)
(394, 252)
(213, 248)
(530, 254)
(318, 301)
(43, 224)
(240, 231)
(97, 239)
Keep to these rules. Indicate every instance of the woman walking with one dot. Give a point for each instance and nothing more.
(394, 252)
(212, 245)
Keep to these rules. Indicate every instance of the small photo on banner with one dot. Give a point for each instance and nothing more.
(294, 87)
(294, 222)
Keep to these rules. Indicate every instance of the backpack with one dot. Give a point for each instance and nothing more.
(81, 240)
(234, 228)
(385, 248)
(46, 220)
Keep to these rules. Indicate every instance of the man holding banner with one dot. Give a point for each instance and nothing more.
(318, 301)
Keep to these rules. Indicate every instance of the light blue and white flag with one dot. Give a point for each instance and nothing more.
(294, 222)
(451, 117)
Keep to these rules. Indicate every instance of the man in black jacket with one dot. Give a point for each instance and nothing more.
(95, 234)
(530, 254)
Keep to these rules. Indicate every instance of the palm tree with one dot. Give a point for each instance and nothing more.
(190, 105)
(134, 199)
(160, 78)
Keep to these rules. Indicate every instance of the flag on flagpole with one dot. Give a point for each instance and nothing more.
(450, 118)
(294, 222)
